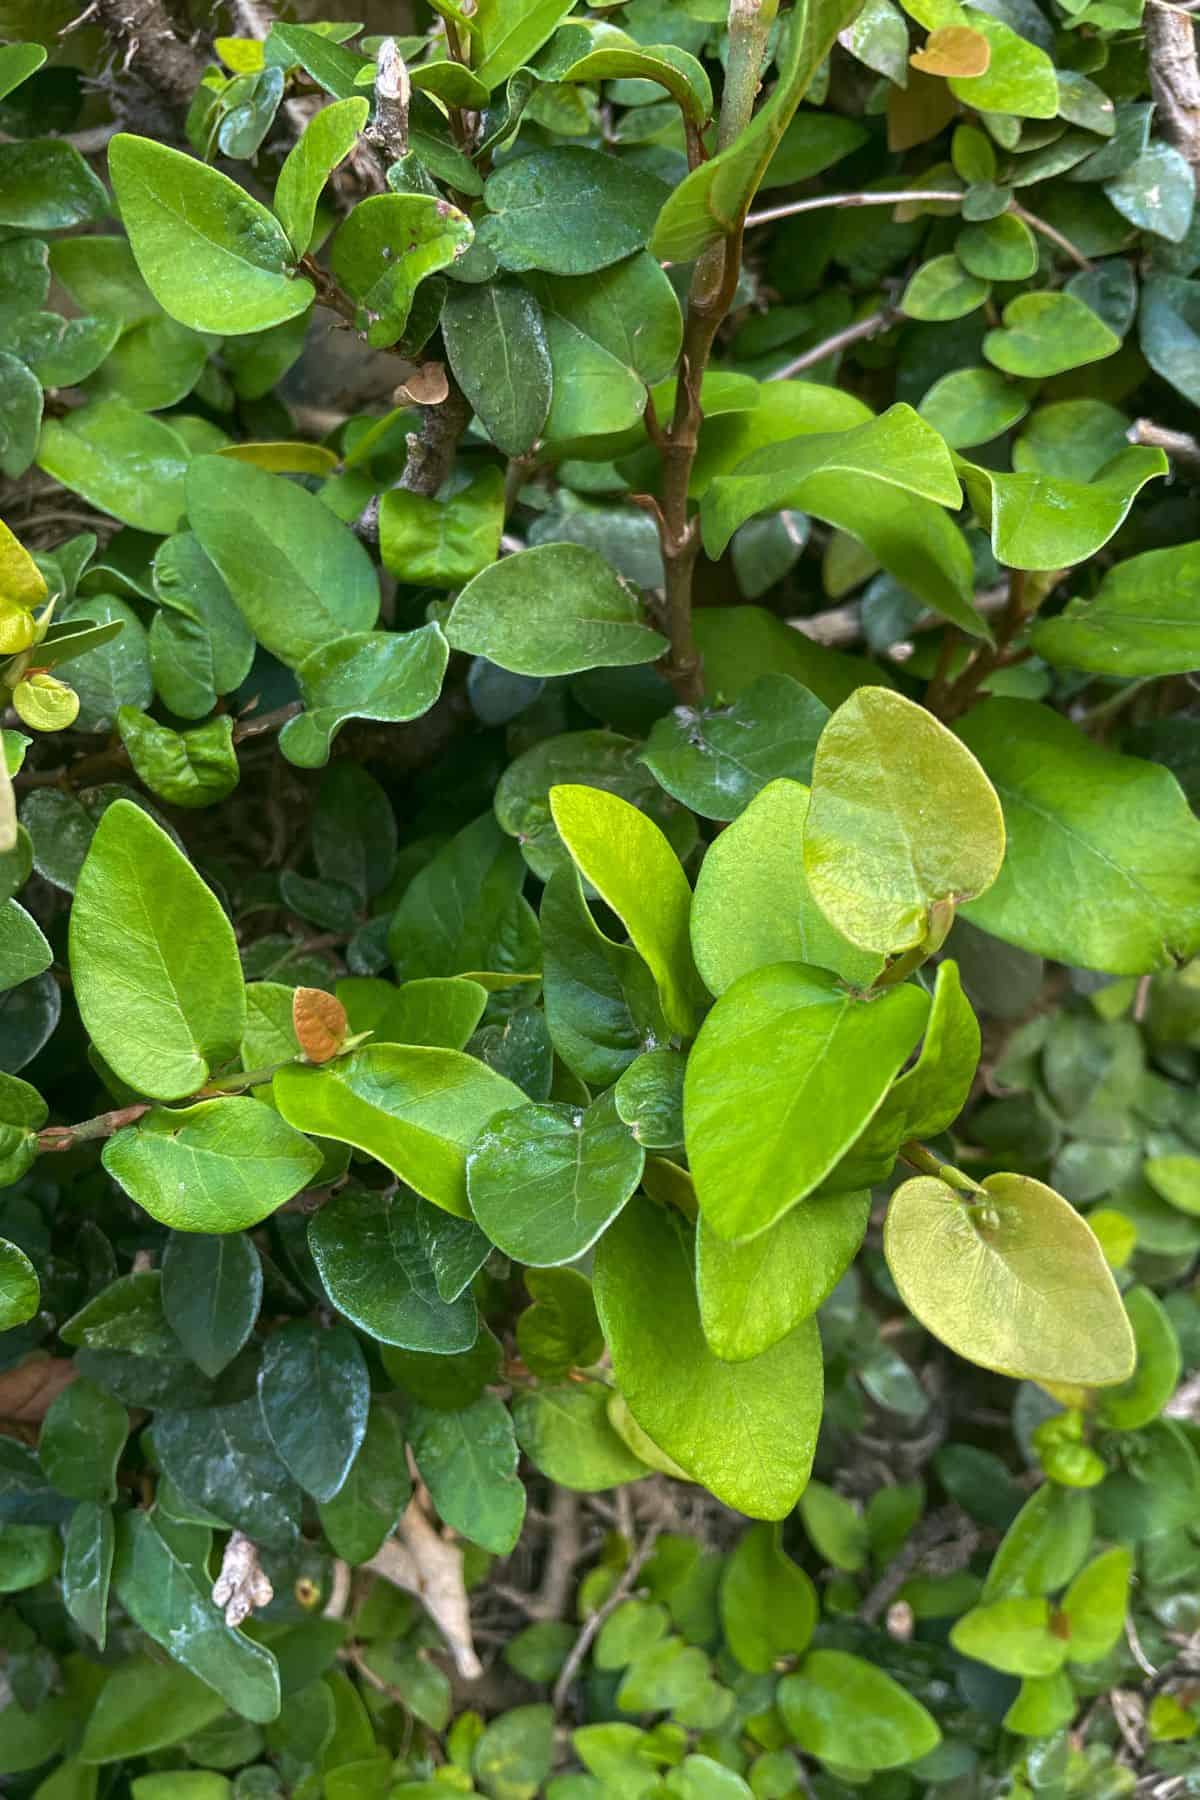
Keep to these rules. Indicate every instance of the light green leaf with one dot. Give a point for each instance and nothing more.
(1144, 619)
(1177, 1178)
(633, 868)
(376, 1265)
(711, 202)
(468, 1461)
(220, 1165)
(212, 256)
(298, 576)
(553, 610)
(753, 1294)
(1095, 1604)
(752, 904)
(769, 1606)
(899, 822)
(385, 675)
(1044, 522)
(745, 1430)
(442, 543)
(1046, 333)
(786, 1043)
(438, 1011)
(972, 406)
(510, 31)
(619, 58)
(20, 1291)
(1012, 1635)
(24, 951)
(1020, 78)
(417, 1110)
(999, 249)
(568, 210)
(326, 140)
(566, 1434)
(1011, 1278)
(386, 247)
(184, 768)
(121, 461)
(649, 1098)
(853, 1715)
(1103, 864)
(716, 760)
(316, 52)
(943, 288)
(545, 1181)
(496, 340)
(154, 960)
(17, 63)
(162, 1596)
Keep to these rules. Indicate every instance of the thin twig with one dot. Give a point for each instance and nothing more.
(870, 327)
(1052, 234)
(818, 202)
(1177, 444)
(594, 1621)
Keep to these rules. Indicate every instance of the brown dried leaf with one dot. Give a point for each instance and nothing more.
(27, 1391)
(320, 1023)
(427, 387)
(953, 50)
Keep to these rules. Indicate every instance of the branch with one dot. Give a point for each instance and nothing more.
(870, 327)
(393, 93)
(145, 33)
(888, 197)
(587, 1636)
(53, 1138)
(1177, 444)
(430, 455)
(1174, 78)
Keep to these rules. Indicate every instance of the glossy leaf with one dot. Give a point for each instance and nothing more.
(381, 1270)
(121, 461)
(568, 210)
(389, 676)
(153, 959)
(212, 1287)
(716, 761)
(1042, 522)
(1142, 621)
(552, 610)
(326, 140)
(386, 246)
(1011, 1278)
(314, 1391)
(20, 1292)
(496, 341)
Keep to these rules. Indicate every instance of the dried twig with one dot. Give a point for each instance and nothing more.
(941, 1544)
(424, 1563)
(145, 34)
(594, 1621)
(1174, 78)
(840, 340)
(1178, 444)
(388, 130)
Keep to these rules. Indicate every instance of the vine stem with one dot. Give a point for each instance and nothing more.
(53, 1138)
(714, 284)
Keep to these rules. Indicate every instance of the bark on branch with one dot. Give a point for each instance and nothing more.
(152, 48)
(1175, 78)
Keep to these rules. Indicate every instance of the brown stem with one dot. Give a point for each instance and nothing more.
(594, 1621)
(1020, 608)
(388, 130)
(1174, 78)
(145, 33)
(1052, 235)
(431, 453)
(1177, 444)
(54, 1138)
(840, 340)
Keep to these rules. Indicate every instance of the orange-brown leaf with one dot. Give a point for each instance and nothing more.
(953, 50)
(320, 1023)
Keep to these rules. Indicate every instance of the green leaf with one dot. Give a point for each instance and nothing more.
(1176, 1178)
(83, 1434)
(885, 482)
(184, 768)
(88, 1549)
(121, 461)
(389, 676)
(417, 1110)
(154, 960)
(200, 646)
(649, 1098)
(553, 610)
(753, 1294)
(745, 1430)
(363, 1513)
(752, 904)
(326, 140)
(1159, 1366)
(768, 1604)
(127, 1315)
(943, 288)
(213, 258)
(468, 1461)
(568, 210)
(566, 1434)
(298, 576)
(314, 1390)
(852, 1714)
(220, 1165)
(1010, 1278)
(163, 1598)
(318, 54)
(786, 1042)
(24, 951)
(1103, 864)
(442, 543)
(999, 249)
(560, 1331)
(439, 1011)
(45, 185)
(1047, 333)
(1014, 1636)
(545, 1181)
(1043, 522)
(146, 1705)
(619, 58)
(510, 31)
(386, 248)
(1020, 78)
(900, 822)
(463, 913)
(379, 1267)
(212, 1288)
(973, 406)
(602, 1005)
(1156, 193)
(711, 202)
(221, 1461)
(1168, 321)
(836, 1527)
(20, 415)
(20, 1291)
(633, 868)
(63, 352)
(716, 760)
(609, 335)
(496, 340)
(1144, 619)
(17, 63)
(1095, 1604)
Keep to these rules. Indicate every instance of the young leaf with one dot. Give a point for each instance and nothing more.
(220, 1165)
(154, 960)
(326, 140)
(418, 1111)
(184, 768)
(848, 1712)
(1011, 1278)
(784, 1043)
(746, 1430)
(213, 258)
(1014, 1636)
(769, 1606)
(899, 821)
(299, 577)
(552, 610)
(1103, 864)
(1095, 1603)
(566, 1434)
(632, 866)
(545, 1181)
